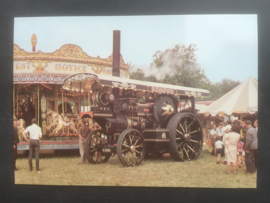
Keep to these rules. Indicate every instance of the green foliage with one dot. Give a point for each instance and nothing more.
(178, 66)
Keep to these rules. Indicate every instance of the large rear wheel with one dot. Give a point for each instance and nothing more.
(130, 147)
(186, 138)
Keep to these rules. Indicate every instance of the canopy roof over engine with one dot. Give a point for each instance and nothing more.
(86, 80)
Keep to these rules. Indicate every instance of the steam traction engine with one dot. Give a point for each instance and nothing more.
(139, 118)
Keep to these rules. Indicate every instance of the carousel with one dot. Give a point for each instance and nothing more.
(38, 93)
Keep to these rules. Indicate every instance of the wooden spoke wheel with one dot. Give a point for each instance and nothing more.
(164, 109)
(130, 147)
(186, 137)
(93, 148)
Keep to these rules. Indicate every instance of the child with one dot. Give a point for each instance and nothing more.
(218, 148)
(240, 151)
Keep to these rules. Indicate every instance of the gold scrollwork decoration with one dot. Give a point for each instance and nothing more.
(97, 69)
(40, 65)
(44, 127)
(43, 104)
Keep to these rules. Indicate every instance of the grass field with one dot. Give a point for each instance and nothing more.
(162, 172)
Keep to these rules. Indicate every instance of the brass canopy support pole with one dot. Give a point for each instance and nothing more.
(63, 102)
(17, 102)
(88, 102)
(83, 102)
(80, 97)
(14, 101)
(38, 104)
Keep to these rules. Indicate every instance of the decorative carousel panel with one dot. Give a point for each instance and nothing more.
(43, 104)
(44, 127)
(38, 78)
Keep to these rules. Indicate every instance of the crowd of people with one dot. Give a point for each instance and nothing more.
(226, 142)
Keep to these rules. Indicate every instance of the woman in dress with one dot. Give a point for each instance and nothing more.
(231, 146)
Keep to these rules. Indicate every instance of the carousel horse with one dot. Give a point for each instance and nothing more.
(54, 119)
(20, 129)
(60, 124)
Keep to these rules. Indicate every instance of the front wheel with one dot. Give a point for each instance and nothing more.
(93, 148)
(131, 147)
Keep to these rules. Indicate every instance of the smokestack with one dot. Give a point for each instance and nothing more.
(116, 53)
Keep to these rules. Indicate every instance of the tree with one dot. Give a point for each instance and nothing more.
(137, 75)
(178, 66)
(227, 85)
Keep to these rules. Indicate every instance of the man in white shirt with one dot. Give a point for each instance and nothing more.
(35, 135)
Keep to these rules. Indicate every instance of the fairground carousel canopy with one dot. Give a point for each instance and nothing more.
(53, 68)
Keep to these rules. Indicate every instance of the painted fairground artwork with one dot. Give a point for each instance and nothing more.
(163, 101)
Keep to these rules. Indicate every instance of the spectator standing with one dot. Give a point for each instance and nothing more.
(83, 133)
(35, 136)
(240, 151)
(218, 148)
(255, 151)
(256, 125)
(220, 134)
(250, 146)
(16, 141)
(231, 145)
(213, 135)
(226, 130)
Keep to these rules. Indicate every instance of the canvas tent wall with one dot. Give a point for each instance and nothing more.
(237, 101)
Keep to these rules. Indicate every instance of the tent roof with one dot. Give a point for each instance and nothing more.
(238, 100)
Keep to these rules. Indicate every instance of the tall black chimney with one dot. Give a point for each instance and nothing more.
(116, 53)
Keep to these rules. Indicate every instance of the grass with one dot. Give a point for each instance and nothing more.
(163, 172)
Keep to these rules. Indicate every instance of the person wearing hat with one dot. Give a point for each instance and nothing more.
(251, 142)
(83, 133)
(255, 150)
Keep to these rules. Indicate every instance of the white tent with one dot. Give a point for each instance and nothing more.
(252, 109)
(200, 107)
(237, 101)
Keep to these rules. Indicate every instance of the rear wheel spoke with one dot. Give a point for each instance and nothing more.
(194, 141)
(189, 126)
(186, 152)
(125, 145)
(191, 149)
(179, 145)
(179, 132)
(140, 145)
(194, 131)
(182, 127)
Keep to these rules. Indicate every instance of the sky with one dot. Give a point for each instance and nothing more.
(227, 44)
